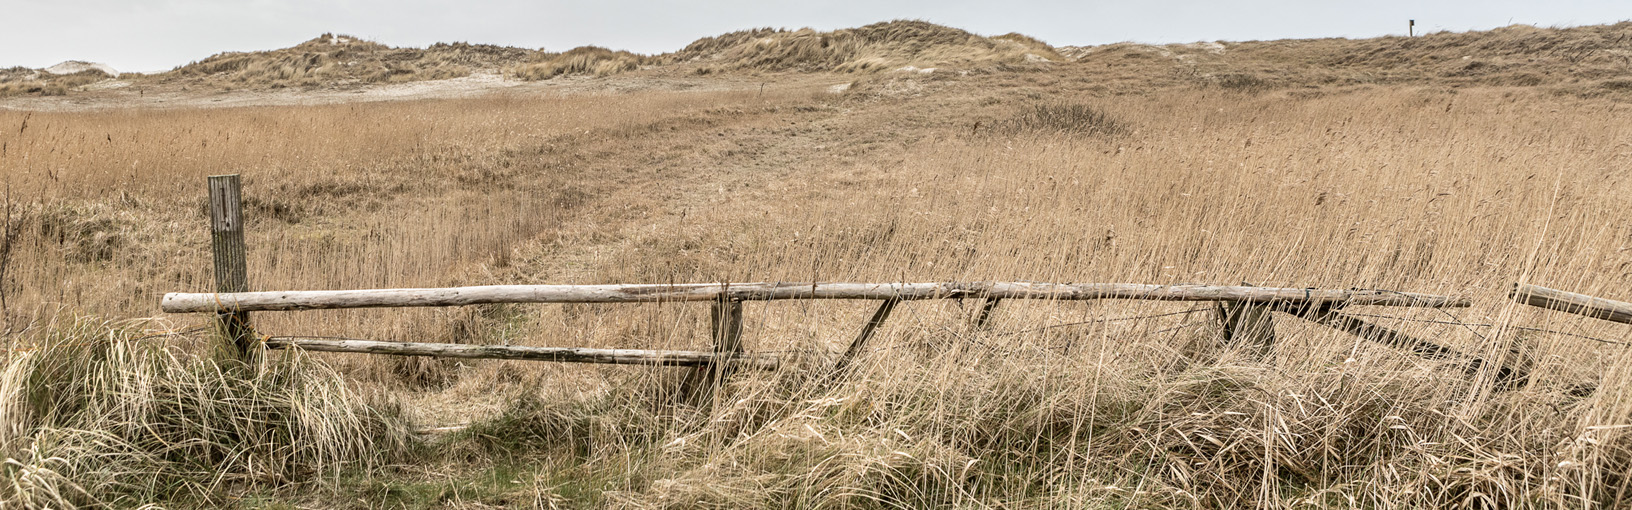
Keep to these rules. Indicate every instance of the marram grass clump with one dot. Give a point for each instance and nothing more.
(96, 414)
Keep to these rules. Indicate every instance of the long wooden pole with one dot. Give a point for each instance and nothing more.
(512, 352)
(1570, 302)
(460, 296)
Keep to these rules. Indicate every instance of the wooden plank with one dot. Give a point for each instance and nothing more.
(867, 331)
(1248, 326)
(461, 296)
(526, 353)
(227, 246)
(1570, 302)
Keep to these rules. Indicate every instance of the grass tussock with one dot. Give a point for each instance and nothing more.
(591, 60)
(97, 414)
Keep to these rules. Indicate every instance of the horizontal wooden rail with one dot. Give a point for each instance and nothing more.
(513, 352)
(460, 296)
(1570, 302)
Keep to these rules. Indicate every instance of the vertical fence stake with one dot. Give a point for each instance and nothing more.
(725, 327)
(227, 244)
(1248, 326)
(725, 320)
(985, 316)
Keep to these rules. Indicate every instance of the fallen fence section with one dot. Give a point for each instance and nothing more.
(461, 296)
(1570, 302)
(559, 354)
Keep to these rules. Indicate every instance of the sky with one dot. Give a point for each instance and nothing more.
(156, 35)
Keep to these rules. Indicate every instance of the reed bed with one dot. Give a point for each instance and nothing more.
(903, 178)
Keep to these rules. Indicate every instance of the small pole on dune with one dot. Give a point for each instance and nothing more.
(1411, 28)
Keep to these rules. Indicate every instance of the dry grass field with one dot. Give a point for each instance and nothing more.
(1271, 165)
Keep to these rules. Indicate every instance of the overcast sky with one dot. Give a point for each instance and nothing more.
(153, 35)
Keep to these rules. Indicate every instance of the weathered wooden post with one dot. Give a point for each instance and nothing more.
(1248, 326)
(725, 326)
(231, 270)
(725, 320)
(986, 309)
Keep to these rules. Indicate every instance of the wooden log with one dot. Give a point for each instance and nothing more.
(231, 269)
(643, 293)
(1248, 326)
(1570, 302)
(513, 352)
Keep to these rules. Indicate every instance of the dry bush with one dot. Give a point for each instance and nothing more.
(1062, 118)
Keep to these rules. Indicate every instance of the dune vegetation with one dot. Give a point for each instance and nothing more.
(1264, 163)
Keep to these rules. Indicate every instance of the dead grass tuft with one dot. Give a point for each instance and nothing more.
(96, 414)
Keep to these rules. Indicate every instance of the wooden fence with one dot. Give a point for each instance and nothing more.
(1245, 313)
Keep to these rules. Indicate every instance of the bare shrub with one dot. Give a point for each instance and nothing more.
(1062, 118)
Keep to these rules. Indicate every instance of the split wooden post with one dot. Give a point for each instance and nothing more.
(1570, 302)
(867, 331)
(231, 269)
(1248, 325)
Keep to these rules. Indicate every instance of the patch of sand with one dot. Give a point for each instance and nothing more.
(75, 66)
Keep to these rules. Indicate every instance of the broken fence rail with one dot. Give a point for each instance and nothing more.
(1570, 302)
(529, 353)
